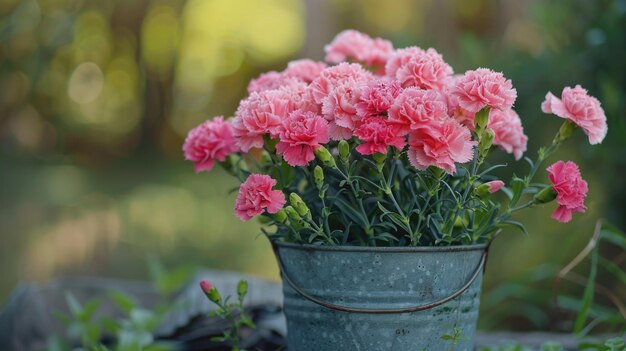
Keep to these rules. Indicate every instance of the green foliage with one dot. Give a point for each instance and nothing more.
(453, 337)
(584, 305)
(131, 332)
(345, 198)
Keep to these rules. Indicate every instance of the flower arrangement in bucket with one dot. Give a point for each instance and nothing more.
(371, 174)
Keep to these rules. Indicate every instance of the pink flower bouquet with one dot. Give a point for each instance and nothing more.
(384, 147)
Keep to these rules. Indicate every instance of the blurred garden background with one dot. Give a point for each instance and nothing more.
(96, 98)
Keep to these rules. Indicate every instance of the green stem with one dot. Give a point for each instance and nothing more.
(359, 201)
(325, 219)
(526, 205)
(277, 163)
(387, 189)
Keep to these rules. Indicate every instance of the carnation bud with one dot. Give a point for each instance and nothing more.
(486, 141)
(379, 158)
(292, 213)
(324, 155)
(280, 216)
(206, 286)
(437, 172)
(481, 119)
(235, 161)
(546, 195)
(488, 188)
(211, 292)
(481, 190)
(566, 130)
(318, 174)
(344, 149)
(296, 201)
(242, 289)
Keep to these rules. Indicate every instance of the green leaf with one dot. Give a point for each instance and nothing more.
(517, 188)
(514, 224)
(349, 211)
(92, 333)
(485, 172)
(613, 269)
(168, 281)
(587, 299)
(110, 325)
(613, 235)
(88, 311)
(247, 321)
(123, 301)
(385, 237)
(73, 304)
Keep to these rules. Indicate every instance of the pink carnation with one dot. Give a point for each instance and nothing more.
(460, 114)
(340, 104)
(441, 144)
(495, 185)
(270, 81)
(338, 133)
(377, 97)
(256, 195)
(415, 108)
(260, 114)
(509, 133)
(582, 109)
(301, 97)
(377, 135)
(570, 188)
(415, 67)
(210, 141)
(484, 87)
(336, 75)
(304, 70)
(357, 46)
(300, 135)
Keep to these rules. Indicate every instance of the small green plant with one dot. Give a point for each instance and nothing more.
(454, 337)
(234, 313)
(131, 332)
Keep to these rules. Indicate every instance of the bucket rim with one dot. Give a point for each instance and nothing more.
(395, 249)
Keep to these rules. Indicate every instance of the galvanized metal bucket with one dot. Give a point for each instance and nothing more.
(367, 298)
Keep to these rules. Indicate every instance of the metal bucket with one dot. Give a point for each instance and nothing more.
(369, 298)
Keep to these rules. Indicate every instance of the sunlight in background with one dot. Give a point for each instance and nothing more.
(216, 38)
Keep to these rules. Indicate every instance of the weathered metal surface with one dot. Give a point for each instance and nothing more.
(385, 278)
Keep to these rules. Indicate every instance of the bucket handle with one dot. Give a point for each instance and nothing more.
(422, 307)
